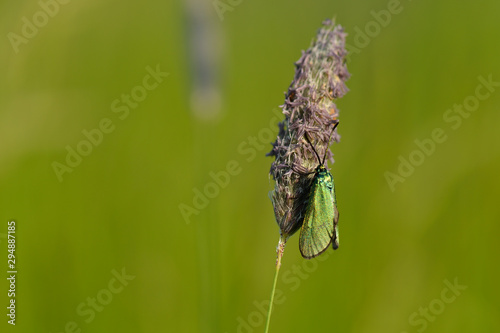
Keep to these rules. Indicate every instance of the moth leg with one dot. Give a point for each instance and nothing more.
(335, 238)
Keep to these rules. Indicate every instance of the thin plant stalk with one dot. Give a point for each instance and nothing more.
(279, 250)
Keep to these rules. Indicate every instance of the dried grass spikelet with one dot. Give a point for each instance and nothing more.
(309, 107)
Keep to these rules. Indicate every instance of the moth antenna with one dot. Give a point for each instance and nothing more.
(329, 138)
(307, 138)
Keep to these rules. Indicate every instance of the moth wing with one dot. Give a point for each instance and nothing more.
(318, 227)
(335, 240)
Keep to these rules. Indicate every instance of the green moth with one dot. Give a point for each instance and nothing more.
(319, 228)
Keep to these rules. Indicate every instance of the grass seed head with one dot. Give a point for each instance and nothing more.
(309, 107)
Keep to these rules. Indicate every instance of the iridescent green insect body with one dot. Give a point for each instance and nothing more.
(319, 228)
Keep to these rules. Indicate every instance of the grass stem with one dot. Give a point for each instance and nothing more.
(279, 250)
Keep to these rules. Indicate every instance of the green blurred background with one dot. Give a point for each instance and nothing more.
(119, 208)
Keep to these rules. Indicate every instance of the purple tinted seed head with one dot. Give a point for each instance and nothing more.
(309, 107)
